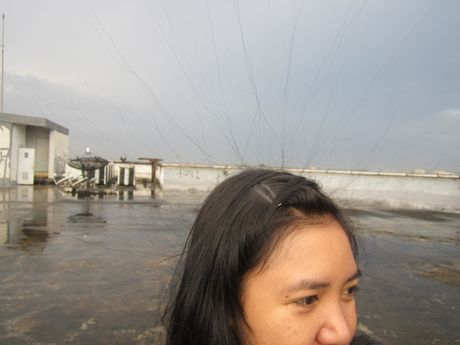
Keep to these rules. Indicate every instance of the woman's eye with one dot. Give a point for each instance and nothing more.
(351, 290)
(307, 301)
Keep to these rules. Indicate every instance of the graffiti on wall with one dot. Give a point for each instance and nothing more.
(4, 156)
(59, 163)
(187, 172)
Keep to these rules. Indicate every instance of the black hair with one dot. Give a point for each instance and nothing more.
(237, 227)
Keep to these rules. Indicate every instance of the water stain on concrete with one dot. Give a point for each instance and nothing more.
(448, 272)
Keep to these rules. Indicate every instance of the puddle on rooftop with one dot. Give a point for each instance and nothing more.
(86, 217)
(127, 193)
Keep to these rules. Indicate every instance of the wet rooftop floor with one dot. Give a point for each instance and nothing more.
(77, 271)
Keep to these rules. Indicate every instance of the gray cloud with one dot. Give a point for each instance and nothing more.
(337, 84)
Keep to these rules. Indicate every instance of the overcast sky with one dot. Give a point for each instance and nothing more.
(333, 84)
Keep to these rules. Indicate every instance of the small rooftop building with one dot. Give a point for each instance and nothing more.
(31, 149)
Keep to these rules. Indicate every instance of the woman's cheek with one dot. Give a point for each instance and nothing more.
(292, 328)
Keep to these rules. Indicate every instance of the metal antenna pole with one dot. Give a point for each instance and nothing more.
(3, 58)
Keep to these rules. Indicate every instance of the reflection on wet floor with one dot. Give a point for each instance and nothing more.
(86, 216)
(94, 269)
(128, 195)
(29, 228)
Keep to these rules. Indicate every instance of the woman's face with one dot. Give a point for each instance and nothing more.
(305, 293)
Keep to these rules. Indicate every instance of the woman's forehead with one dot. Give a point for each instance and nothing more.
(315, 249)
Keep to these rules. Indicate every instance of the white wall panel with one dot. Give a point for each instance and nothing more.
(38, 138)
(5, 142)
(18, 140)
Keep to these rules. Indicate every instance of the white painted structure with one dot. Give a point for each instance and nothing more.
(49, 140)
(389, 189)
(143, 170)
(126, 175)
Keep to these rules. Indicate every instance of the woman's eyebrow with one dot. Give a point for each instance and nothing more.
(354, 276)
(306, 284)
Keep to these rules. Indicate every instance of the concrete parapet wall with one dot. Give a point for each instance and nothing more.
(391, 190)
(403, 190)
(411, 190)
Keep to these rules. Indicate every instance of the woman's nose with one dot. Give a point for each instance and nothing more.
(338, 329)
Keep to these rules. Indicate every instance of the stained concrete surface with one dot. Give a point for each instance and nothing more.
(77, 271)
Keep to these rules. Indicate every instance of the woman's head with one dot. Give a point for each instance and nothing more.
(269, 257)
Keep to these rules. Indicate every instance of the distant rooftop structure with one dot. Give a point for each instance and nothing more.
(33, 121)
(32, 149)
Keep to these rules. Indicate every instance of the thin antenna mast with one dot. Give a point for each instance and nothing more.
(3, 58)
